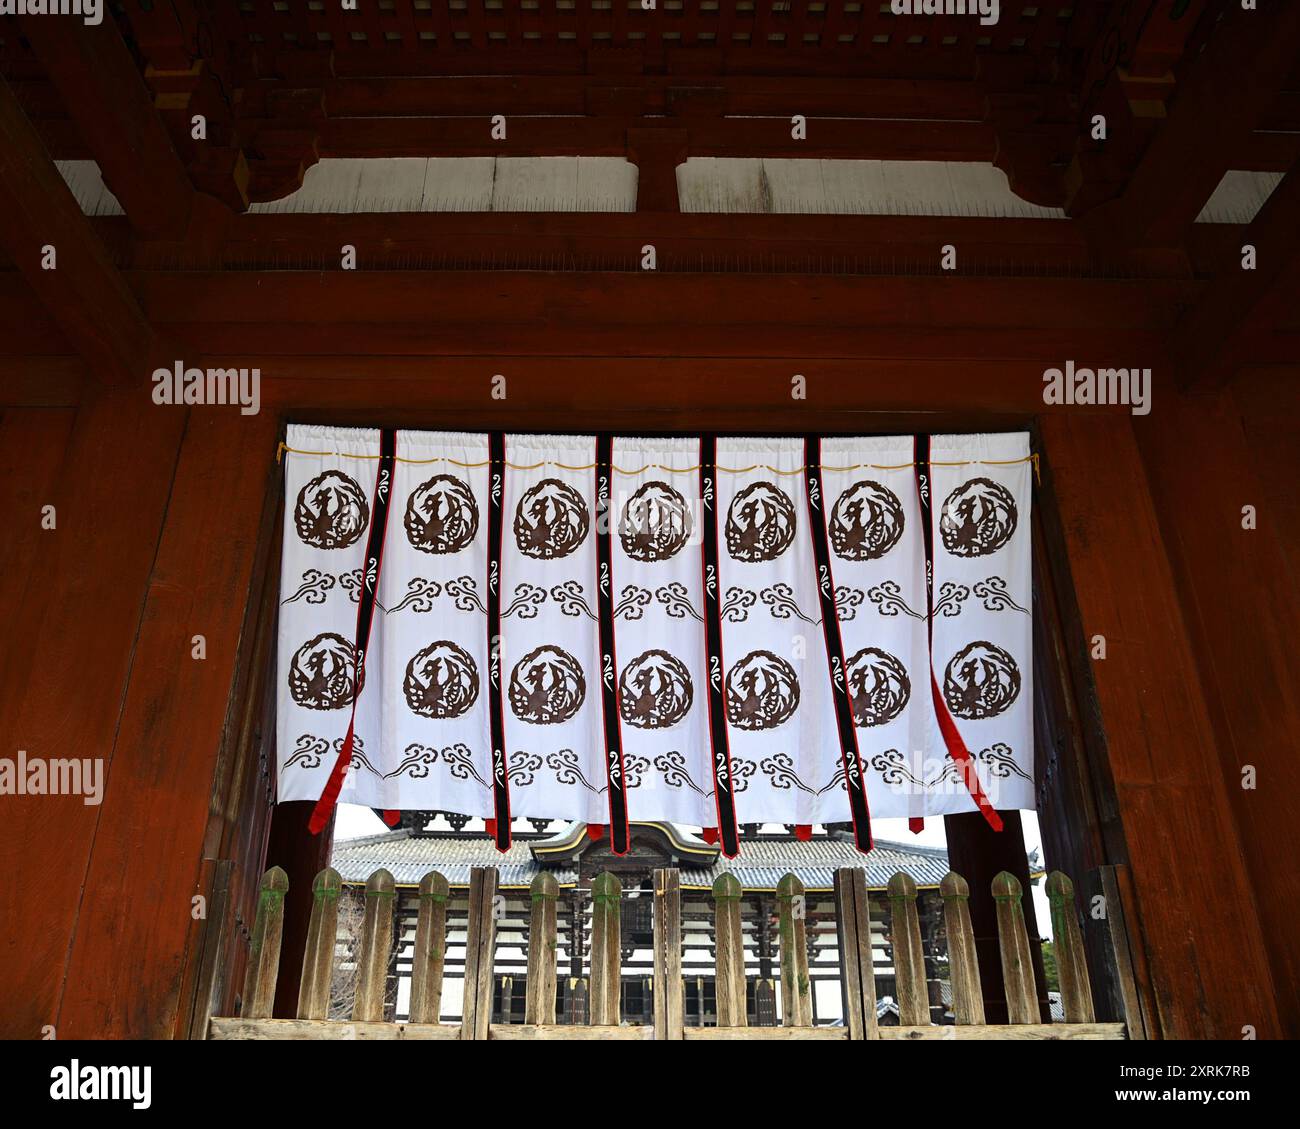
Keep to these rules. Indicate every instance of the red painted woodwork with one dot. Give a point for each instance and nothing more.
(1210, 338)
(1205, 462)
(169, 730)
(1184, 844)
(87, 296)
(722, 243)
(68, 654)
(33, 443)
(1179, 169)
(782, 323)
(686, 96)
(656, 154)
(167, 517)
(1158, 734)
(100, 84)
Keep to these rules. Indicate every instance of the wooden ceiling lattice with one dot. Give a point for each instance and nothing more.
(456, 25)
(284, 83)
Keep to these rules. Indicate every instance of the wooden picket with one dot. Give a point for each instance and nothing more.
(1076, 988)
(430, 949)
(264, 948)
(480, 948)
(1013, 941)
(730, 944)
(669, 990)
(606, 959)
(539, 1004)
(963, 963)
(909, 956)
(376, 936)
(853, 926)
(318, 959)
(792, 931)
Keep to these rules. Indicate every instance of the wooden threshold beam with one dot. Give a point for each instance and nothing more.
(41, 226)
(582, 343)
(1261, 150)
(111, 107)
(613, 241)
(643, 314)
(606, 136)
(222, 1028)
(942, 322)
(566, 393)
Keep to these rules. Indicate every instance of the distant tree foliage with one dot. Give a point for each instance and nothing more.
(1049, 967)
(347, 948)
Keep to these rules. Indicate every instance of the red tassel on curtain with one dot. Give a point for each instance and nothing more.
(803, 832)
(709, 834)
(916, 825)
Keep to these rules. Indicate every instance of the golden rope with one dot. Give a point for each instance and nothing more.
(1032, 458)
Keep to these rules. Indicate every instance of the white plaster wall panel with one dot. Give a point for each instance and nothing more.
(564, 184)
(535, 184)
(790, 181)
(88, 188)
(327, 186)
(1239, 196)
(836, 187)
(721, 184)
(853, 187)
(705, 184)
(395, 185)
(606, 185)
(458, 184)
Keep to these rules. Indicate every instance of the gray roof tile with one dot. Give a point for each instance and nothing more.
(761, 864)
(409, 859)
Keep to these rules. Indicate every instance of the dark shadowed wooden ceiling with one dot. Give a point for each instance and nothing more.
(1188, 90)
(285, 82)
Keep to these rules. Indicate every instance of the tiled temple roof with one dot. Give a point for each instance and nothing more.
(762, 862)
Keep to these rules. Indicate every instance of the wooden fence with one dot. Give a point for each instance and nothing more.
(854, 932)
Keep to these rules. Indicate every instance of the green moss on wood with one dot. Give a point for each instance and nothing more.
(727, 887)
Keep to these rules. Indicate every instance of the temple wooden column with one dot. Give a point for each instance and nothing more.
(1210, 457)
(1209, 972)
(977, 853)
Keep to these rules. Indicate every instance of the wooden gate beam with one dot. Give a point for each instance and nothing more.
(63, 261)
(678, 96)
(108, 101)
(1210, 972)
(1215, 109)
(606, 136)
(1213, 339)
